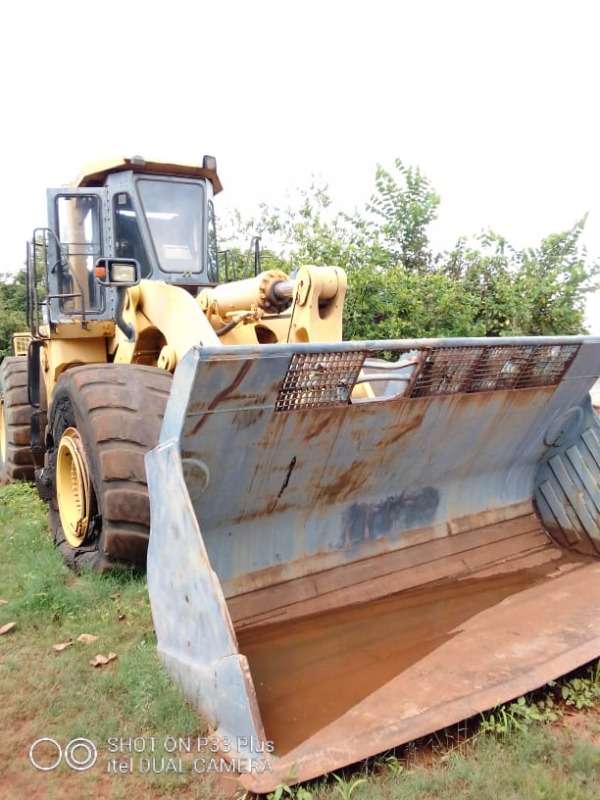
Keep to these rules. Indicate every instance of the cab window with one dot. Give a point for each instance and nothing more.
(175, 212)
(213, 247)
(80, 243)
(128, 239)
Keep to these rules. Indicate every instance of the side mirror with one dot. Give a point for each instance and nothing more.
(118, 272)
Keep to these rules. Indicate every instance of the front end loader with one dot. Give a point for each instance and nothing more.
(349, 544)
(122, 282)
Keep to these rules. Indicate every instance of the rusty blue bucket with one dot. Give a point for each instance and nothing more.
(355, 544)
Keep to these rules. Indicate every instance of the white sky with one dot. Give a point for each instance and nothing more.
(496, 101)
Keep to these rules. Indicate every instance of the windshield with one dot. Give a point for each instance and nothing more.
(175, 211)
(128, 240)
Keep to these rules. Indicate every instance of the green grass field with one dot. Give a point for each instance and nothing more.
(546, 746)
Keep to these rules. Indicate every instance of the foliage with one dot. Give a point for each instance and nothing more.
(580, 692)
(294, 792)
(405, 206)
(393, 764)
(399, 287)
(345, 789)
(12, 310)
(517, 716)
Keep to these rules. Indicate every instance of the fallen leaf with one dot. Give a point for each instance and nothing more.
(3, 602)
(62, 646)
(86, 638)
(10, 626)
(100, 660)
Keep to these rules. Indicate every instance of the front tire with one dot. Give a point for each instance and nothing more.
(102, 421)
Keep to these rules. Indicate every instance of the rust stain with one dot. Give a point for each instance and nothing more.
(348, 482)
(248, 516)
(323, 421)
(246, 418)
(254, 581)
(398, 431)
(258, 399)
(516, 397)
(223, 394)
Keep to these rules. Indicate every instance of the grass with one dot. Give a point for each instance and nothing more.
(545, 746)
(540, 763)
(58, 694)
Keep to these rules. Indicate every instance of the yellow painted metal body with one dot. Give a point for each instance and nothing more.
(313, 315)
(59, 354)
(94, 329)
(167, 321)
(20, 343)
(161, 315)
(247, 294)
(318, 305)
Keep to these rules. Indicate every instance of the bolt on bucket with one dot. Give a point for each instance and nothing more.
(348, 552)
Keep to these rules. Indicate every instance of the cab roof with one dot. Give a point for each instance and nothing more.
(95, 174)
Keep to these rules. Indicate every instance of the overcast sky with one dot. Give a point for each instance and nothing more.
(496, 101)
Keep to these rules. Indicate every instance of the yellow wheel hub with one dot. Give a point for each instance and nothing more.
(3, 434)
(73, 487)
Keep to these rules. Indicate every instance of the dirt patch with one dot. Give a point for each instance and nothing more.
(583, 725)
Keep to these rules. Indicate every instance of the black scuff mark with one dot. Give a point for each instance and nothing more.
(287, 477)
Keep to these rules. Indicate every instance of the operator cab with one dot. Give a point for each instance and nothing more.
(160, 215)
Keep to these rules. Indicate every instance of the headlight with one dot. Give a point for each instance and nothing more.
(122, 273)
(118, 272)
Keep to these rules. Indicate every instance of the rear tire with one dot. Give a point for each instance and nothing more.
(117, 412)
(16, 461)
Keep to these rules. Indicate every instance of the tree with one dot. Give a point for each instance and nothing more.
(398, 287)
(404, 207)
(12, 309)
(536, 291)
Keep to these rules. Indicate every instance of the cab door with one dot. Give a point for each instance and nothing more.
(80, 228)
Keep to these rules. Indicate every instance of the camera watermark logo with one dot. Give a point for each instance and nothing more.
(79, 754)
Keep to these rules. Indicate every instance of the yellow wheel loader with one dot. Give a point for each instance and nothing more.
(352, 544)
(121, 284)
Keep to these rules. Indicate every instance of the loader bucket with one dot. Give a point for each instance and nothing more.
(348, 553)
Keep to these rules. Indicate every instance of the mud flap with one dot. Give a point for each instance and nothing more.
(342, 571)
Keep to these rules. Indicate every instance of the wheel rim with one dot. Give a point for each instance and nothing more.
(73, 488)
(3, 436)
